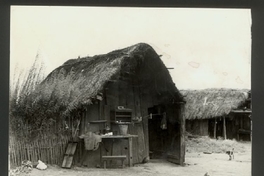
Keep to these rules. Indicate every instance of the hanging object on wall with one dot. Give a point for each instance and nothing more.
(150, 116)
(164, 121)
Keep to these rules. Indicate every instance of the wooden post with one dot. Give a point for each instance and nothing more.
(224, 128)
(182, 133)
(215, 129)
(250, 130)
(130, 152)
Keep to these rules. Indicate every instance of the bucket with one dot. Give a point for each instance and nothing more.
(123, 129)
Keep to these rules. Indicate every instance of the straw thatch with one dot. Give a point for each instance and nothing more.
(80, 81)
(211, 103)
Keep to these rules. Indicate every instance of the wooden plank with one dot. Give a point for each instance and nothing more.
(144, 112)
(112, 95)
(122, 92)
(69, 161)
(132, 128)
(141, 142)
(251, 130)
(74, 147)
(101, 110)
(69, 154)
(107, 115)
(117, 145)
(92, 114)
(114, 157)
(139, 127)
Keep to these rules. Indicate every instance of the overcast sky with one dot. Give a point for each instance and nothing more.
(208, 48)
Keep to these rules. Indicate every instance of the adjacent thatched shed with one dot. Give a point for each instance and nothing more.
(214, 111)
(91, 90)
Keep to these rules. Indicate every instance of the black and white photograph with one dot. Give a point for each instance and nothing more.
(138, 91)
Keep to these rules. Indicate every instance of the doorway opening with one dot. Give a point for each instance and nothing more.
(158, 133)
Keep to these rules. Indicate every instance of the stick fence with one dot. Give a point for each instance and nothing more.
(50, 150)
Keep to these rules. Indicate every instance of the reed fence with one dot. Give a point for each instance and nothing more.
(47, 149)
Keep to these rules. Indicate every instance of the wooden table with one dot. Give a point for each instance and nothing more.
(130, 149)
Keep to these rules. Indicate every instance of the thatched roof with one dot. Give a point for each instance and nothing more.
(211, 103)
(79, 81)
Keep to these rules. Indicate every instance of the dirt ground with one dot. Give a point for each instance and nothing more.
(197, 164)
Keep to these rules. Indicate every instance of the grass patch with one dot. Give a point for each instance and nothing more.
(206, 144)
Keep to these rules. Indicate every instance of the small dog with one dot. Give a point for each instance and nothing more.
(231, 154)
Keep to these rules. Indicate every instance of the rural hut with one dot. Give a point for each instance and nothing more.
(224, 113)
(125, 99)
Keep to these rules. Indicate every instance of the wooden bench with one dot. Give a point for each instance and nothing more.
(118, 157)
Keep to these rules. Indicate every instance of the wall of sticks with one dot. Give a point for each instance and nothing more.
(50, 150)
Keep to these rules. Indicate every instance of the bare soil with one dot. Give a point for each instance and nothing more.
(197, 164)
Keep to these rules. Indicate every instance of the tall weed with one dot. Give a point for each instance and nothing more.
(20, 89)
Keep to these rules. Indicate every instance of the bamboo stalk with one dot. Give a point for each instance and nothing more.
(51, 150)
(32, 151)
(27, 152)
(22, 153)
(11, 153)
(55, 151)
(15, 154)
(39, 151)
(20, 156)
(35, 152)
(13, 160)
(46, 150)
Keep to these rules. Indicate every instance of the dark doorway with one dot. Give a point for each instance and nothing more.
(217, 125)
(166, 134)
(158, 134)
